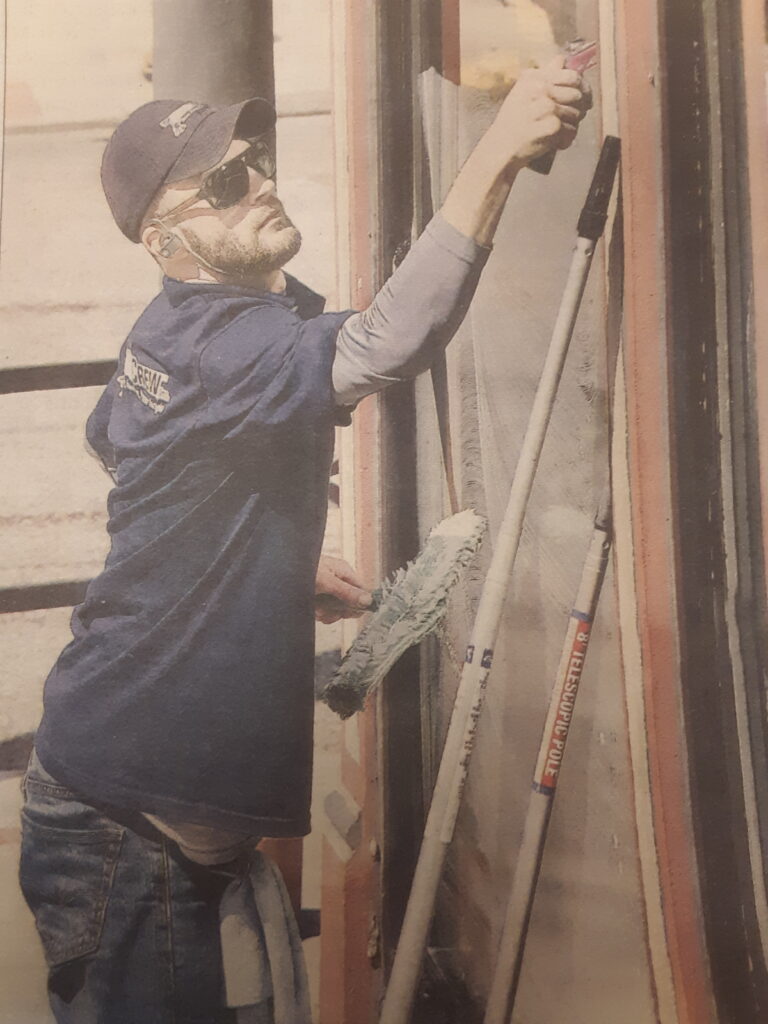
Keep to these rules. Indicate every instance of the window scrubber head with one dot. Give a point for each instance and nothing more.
(408, 608)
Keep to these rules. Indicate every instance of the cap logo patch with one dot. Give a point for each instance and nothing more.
(177, 119)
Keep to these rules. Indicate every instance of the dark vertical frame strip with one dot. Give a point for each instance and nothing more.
(716, 786)
(401, 764)
(750, 597)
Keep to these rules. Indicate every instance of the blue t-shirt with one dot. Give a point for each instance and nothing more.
(187, 689)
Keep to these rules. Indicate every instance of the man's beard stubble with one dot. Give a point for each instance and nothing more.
(243, 261)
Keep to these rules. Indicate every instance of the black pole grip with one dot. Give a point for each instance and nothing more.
(595, 210)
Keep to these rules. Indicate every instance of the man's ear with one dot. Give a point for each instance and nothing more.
(159, 241)
(150, 238)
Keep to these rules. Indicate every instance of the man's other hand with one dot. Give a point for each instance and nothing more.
(339, 591)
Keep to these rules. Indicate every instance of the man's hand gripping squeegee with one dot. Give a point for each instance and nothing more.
(454, 765)
(579, 56)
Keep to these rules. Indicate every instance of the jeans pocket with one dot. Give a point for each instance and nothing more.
(66, 873)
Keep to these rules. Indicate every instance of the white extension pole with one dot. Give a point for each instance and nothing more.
(454, 764)
(530, 854)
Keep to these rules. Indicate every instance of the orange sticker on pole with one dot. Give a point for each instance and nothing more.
(561, 715)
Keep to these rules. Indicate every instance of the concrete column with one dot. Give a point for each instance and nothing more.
(217, 51)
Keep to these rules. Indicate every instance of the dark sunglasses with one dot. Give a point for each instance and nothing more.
(228, 183)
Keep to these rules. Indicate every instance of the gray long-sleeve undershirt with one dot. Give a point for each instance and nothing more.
(413, 316)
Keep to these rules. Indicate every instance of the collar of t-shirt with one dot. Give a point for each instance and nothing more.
(297, 296)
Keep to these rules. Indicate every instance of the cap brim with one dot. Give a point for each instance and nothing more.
(211, 140)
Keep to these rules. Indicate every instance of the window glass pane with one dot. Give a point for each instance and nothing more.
(585, 907)
(499, 38)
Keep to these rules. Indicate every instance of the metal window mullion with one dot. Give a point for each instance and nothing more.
(722, 269)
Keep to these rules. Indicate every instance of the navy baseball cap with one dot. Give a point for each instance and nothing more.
(170, 140)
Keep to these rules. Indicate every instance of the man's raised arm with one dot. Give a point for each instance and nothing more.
(417, 311)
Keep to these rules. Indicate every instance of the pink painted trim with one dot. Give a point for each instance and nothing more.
(753, 19)
(451, 41)
(646, 352)
(351, 897)
(358, 143)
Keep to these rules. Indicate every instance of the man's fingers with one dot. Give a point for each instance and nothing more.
(350, 594)
(543, 110)
(347, 573)
(563, 76)
(325, 614)
(346, 590)
(328, 610)
(545, 106)
(566, 96)
(338, 580)
(568, 115)
(339, 568)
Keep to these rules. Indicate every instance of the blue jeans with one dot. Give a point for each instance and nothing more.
(129, 926)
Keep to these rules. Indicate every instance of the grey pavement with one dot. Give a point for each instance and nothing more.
(70, 287)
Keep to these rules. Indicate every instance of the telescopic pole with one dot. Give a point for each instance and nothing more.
(546, 774)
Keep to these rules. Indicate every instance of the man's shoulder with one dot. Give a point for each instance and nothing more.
(185, 320)
(226, 329)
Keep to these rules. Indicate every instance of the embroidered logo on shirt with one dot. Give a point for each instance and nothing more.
(147, 384)
(177, 119)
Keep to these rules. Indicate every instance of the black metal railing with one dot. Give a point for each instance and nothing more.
(51, 377)
(56, 377)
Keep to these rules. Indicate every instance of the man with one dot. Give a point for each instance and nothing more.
(178, 722)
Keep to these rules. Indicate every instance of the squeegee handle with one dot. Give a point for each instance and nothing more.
(543, 164)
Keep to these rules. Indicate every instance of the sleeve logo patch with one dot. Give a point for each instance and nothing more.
(147, 384)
